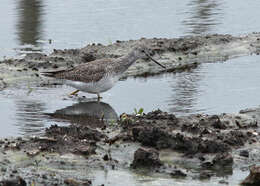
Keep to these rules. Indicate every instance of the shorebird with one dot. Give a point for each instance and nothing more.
(100, 75)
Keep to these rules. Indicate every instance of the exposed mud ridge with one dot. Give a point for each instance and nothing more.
(201, 134)
(177, 54)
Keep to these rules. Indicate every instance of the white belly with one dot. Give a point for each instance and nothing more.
(97, 87)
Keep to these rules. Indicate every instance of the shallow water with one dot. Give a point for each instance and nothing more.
(212, 88)
(44, 25)
(125, 177)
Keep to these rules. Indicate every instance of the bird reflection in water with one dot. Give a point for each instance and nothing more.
(85, 112)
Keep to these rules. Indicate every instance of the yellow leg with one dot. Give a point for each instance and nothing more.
(99, 97)
(74, 93)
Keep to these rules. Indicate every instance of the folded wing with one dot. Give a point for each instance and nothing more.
(88, 72)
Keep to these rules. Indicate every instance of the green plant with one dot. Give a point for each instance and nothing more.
(139, 112)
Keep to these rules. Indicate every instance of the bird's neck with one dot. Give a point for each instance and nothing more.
(126, 61)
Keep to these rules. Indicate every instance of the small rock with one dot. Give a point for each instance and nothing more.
(244, 153)
(44, 176)
(146, 157)
(13, 182)
(178, 174)
(254, 177)
(105, 158)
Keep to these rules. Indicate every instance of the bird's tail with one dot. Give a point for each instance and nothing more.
(52, 73)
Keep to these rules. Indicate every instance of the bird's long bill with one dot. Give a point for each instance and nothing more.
(155, 61)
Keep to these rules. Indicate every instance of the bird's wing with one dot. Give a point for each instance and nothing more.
(87, 72)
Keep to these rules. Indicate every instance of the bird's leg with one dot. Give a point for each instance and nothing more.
(74, 93)
(99, 97)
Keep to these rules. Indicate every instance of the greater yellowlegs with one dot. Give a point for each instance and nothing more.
(100, 75)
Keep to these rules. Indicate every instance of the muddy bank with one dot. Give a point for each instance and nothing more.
(156, 144)
(176, 54)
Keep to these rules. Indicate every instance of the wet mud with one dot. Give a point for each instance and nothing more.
(206, 146)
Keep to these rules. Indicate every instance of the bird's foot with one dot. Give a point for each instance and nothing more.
(74, 93)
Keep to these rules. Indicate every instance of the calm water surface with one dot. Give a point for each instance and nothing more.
(211, 88)
(28, 25)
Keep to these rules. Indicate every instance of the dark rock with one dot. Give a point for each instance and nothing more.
(244, 153)
(105, 157)
(178, 174)
(146, 157)
(13, 182)
(253, 179)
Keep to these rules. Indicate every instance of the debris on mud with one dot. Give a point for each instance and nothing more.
(72, 182)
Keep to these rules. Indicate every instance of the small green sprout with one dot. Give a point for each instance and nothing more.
(139, 112)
